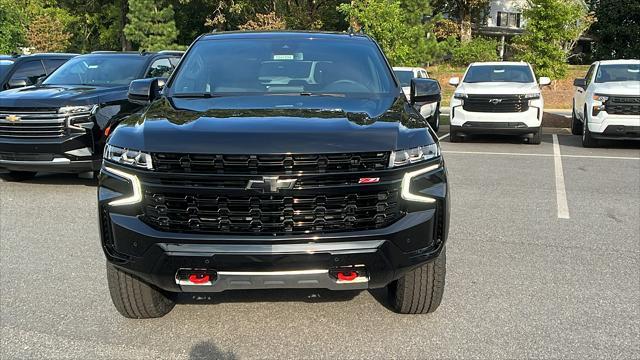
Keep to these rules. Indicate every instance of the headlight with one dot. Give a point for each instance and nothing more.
(79, 116)
(460, 95)
(128, 157)
(70, 110)
(532, 96)
(411, 156)
(600, 98)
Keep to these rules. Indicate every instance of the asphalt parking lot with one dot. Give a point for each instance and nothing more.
(543, 261)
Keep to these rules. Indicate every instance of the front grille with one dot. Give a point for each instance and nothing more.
(623, 105)
(31, 123)
(270, 164)
(26, 156)
(263, 214)
(496, 103)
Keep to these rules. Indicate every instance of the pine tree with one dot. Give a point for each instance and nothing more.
(151, 26)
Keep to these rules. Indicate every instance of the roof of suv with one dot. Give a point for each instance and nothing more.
(39, 55)
(498, 63)
(620, 61)
(283, 35)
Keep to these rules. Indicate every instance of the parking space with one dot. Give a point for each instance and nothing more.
(521, 281)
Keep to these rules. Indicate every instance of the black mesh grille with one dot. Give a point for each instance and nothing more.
(623, 105)
(271, 213)
(269, 164)
(496, 103)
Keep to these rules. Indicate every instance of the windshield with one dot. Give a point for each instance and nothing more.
(618, 72)
(282, 66)
(99, 70)
(499, 73)
(5, 65)
(404, 76)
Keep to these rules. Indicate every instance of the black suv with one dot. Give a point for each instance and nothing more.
(24, 70)
(275, 160)
(60, 125)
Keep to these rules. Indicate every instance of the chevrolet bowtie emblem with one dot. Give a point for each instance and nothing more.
(271, 184)
(12, 118)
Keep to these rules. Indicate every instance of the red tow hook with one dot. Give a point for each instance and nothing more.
(199, 278)
(347, 275)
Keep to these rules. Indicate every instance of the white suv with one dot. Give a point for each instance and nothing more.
(430, 111)
(607, 100)
(497, 98)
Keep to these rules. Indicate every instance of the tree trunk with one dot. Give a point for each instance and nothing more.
(465, 25)
(124, 43)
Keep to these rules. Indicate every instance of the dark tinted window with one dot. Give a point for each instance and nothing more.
(98, 70)
(499, 73)
(404, 76)
(52, 64)
(618, 72)
(29, 71)
(293, 66)
(5, 65)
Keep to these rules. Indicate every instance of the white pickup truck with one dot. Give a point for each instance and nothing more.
(606, 104)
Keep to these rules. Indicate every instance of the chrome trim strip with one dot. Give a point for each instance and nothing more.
(308, 248)
(56, 161)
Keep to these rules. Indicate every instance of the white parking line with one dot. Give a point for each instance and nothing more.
(561, 194)
(443, 136)
(541, 155)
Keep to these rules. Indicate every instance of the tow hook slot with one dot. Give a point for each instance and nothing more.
(195, 277)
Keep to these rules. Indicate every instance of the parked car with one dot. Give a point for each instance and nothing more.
(430, 111)
(497, 98)
(606, 103)
(232, 179)
(61, 124)
(24, 70)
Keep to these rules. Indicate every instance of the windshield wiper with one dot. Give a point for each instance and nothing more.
(196, 95)
(321, 94)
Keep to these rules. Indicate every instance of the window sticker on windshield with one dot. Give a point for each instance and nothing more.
(632, 70)
(498, 70)
(283, 57)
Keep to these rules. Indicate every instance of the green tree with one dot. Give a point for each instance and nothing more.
(399, 32)
(151, 26)
(47, 34)
(465, 12)
(12, 27)
(617, 30)
(551, 31)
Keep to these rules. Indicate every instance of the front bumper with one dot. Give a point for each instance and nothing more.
(268, 261)
(68, 154)
(468, 122)
(620, 127)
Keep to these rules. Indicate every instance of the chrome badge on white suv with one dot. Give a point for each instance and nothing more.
(497, 98)
(606, 103)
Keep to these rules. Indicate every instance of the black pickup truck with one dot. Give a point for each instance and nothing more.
(275, 160)
(60, 124)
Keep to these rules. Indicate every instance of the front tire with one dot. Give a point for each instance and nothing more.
(576, 124)
(536, 137)
(19, 175)
(420, 290)
(134, 298)
(587, 140)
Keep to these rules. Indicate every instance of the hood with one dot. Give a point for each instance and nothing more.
(61, 95)
(274, 125)
(631, 88)
(498, 88)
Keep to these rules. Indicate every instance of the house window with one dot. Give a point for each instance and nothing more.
(509, 19)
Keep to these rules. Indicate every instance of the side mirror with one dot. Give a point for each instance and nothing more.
(544, 81)
(454, 81)
(144, 91)
(17, 83)
(40, 80)
(581, 83)
(424, 91)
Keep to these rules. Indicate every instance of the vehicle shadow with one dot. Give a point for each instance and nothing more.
(576, 141)
(56, 179)
(495, 139)
(207, 350)
(269, 295)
